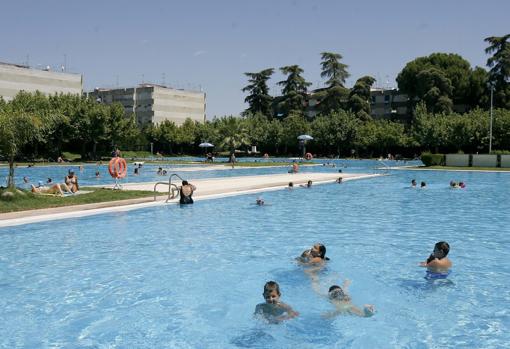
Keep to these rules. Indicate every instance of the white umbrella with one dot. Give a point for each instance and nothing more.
(206, 145)
(305, 138)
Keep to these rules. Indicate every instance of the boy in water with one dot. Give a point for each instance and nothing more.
(342, 301)
(273, 310)
(437, 261)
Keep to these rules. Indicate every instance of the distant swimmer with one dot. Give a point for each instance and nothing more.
(291, 185)
(339, 297)
(413, 183)
(438, 265)
(307, 185)
(273, 310)
(259, 201)
(339, 180)
(423, 185)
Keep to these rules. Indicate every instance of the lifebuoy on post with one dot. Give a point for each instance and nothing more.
(117, 168)
(308, 156)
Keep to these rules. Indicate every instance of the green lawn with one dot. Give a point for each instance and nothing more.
(30, 201)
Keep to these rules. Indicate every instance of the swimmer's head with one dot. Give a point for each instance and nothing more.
(185, 183)
(291, 184)
(441, 249)
(413, 182)
(309, 183)
(271, 292)
(336, 292)
(260, 201)
(318, 250)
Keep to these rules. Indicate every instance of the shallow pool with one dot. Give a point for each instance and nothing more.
(190, 277)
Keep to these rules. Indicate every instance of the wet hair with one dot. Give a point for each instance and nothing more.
(423, 184)
(271, 286)
(322, 250)
(185, 183)
(336, 292)
(442, 246)
(291, 184)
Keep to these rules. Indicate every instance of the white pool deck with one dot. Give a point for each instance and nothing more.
(208, 188)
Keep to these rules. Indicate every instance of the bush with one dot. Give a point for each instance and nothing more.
(430, 159)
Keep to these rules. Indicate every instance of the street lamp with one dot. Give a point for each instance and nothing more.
(491, 86)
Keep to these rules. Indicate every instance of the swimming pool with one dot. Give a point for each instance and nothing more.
(148, 173)
(190, 277)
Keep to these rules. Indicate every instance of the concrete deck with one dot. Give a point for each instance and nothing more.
(206, 189)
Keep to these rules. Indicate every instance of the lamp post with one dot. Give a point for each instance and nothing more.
(490, 124)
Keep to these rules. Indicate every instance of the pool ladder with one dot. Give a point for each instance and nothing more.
(173, 189)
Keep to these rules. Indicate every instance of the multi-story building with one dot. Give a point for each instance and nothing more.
(152, 103)
(388, 103)
(15, 78)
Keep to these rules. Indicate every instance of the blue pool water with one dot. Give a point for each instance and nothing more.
(190, 277)
(148, 173)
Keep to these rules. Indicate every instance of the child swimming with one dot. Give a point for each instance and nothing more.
(273, 310)
(339, 297)
(314, 255)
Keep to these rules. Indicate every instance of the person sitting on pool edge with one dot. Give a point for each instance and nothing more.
(273, 310)
(72, 181)
(438, 263)
(186, 193)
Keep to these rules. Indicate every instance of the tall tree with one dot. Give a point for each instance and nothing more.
(359, 97)
(333, 69)
(294, 90)
(440, 79)
(499, 63)
(259, 100)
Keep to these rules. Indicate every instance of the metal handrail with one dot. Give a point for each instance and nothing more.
(173, 189)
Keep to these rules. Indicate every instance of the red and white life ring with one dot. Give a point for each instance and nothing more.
(117, 168)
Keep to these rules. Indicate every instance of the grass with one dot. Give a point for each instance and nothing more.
(499, 169)
(29, 201)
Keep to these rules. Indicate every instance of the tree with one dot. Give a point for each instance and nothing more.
(359, 97)
(233, 133)
(259, 99)
(440, 79)
(293, 91)
(499, 63)
(333, 69)
(17, 129)
(335, 132)
(293, 126)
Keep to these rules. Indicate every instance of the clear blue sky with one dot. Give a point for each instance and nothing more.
(210, 44)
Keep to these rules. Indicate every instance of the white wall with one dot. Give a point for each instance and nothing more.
(485, 160)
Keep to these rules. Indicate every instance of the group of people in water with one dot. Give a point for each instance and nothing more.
(273, 310)
(453, 184)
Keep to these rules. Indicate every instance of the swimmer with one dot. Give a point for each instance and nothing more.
(49, 181)
(260, 202)
(462, 185)
(25, 179)
(98, 174)
(291, 185)
(339, 180)
(423, 185)
(315, 255)
(160, 171)
(413, 183)
(339, 297)
(307, 185)
(454, 185)
(437, 261)
(273, 310)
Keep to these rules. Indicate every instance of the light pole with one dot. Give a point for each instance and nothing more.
(490, 124)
